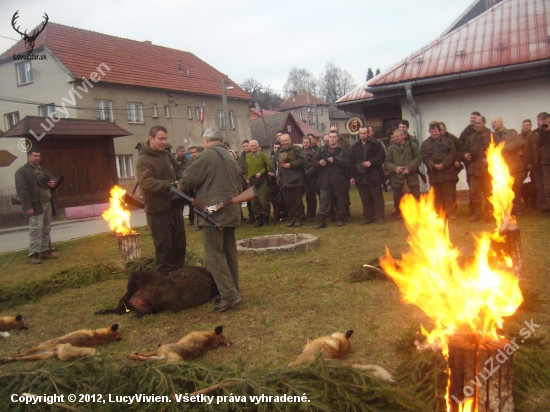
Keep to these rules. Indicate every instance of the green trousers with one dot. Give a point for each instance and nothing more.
(168, 232)
(220, 249)
(260, 204)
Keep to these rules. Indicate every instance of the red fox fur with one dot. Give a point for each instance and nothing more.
(332, 347)
(11, 323)
(189, 347)
(71, 346)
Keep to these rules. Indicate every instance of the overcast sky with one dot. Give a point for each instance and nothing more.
(263, 39)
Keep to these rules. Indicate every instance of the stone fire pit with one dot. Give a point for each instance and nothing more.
(278, 244)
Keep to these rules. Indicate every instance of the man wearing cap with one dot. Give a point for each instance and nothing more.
(33, 184)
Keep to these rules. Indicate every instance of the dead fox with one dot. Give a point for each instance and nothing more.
(71, 346)
(11, 323)
(333, 347)
(189, 347)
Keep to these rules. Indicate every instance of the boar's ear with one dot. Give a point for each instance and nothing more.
(19, 318)
(114, 328)
(218, 330)
(348, 333)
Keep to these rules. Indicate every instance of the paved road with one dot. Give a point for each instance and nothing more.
(17, 238)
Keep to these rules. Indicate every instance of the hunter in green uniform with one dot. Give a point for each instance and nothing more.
(215, 176)
(157, 171)
(256, 167)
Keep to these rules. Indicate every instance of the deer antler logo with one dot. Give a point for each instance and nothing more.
(29, 38)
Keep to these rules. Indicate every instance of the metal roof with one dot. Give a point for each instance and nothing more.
(356, 94)
(509, 33)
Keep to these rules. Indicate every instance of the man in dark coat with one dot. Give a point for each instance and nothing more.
(290, 161)
(439, 154)
(332, 163)
(475, 159)
(310, 179)
(215, 176)
(157, 171)
(458, 161)
(533, 154)
(366, 159)
(33, 184)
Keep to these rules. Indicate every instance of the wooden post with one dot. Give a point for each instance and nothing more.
(481, 371)
(129, 246)
(512, 247)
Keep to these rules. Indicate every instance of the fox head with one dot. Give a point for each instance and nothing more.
(21, 324)
(220, 338)
(13, 323)
(110, 334)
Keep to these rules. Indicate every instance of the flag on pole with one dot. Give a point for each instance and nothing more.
(202, 112)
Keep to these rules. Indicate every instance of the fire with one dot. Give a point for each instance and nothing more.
(475, 295)
(116, 215)
(503, 196)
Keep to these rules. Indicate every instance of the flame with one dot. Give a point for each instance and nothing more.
(428, 275)
(503, 196)
(116, 215)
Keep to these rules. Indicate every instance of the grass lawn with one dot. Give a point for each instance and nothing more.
(286, 299)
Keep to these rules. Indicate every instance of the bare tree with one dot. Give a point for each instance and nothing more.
(301, 81)
(266, 98)
(335, 83)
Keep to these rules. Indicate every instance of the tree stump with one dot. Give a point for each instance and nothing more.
(482, 373)
(128, 246)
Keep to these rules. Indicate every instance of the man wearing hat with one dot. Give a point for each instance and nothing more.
(33, 184)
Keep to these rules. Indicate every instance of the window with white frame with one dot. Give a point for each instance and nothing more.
(11, 119)
(167, 111)
(24, 73)
(231, 122)
(124, 166)
(154, 110)
(189, 113)
(47, 110)
(197, 113)
(289, 129)
(221, 119)
(298, 114)
(103, 110)
(135, 112)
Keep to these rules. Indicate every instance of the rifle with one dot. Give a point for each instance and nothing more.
(15, 198)
(207, 211)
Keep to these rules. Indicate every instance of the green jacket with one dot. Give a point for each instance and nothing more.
(295, 156)
(438, 151)
(156, 172)
(215, 176)
(27, 188)
(256, 164)
(533, 153)
(407, 155)
(513, 144)
(477, 145)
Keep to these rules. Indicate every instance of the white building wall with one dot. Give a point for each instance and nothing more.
(513, 102)
(51, 82)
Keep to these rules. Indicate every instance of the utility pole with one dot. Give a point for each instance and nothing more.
(225, 110)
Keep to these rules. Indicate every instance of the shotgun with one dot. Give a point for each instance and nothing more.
(207, 211)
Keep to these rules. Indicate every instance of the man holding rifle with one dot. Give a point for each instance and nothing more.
(157, 171)
(216, 176)
(34, 186)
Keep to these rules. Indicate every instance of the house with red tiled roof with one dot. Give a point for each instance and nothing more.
(494, 59)
(257, 113)
(309, 109)
(87, 75)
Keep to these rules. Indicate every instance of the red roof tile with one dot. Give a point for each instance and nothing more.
(255, 113)
(511, 32)
(356, 94)
(130, 62)
(301, 100)
(307, 129)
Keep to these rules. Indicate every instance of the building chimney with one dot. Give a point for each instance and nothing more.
(147, 41)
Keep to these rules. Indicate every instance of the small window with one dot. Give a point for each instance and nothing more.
(221, 119)
(231, 122)
(135, 112)
(320, 112)
(103, 110)
(289, 129)
(124, 166)
(167, 111)
(154, 110)
(47, 110)
(24, 73)
(11, 119)
(197, 113)
(189, 113)
(298, 114)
